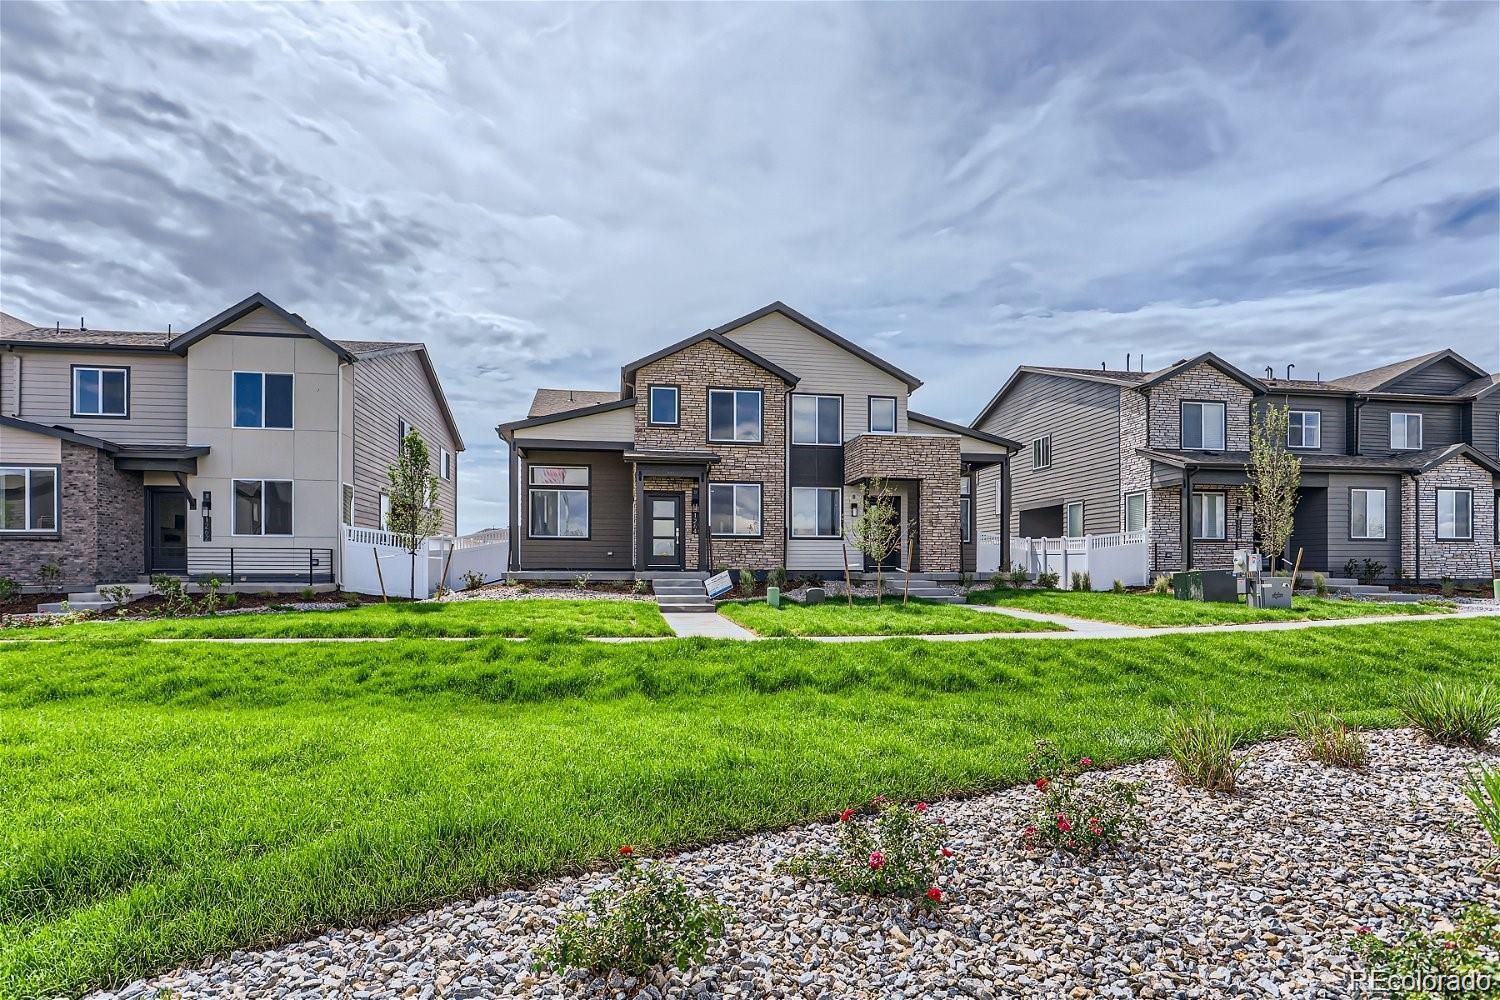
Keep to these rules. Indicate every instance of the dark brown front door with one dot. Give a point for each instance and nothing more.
(166, 531)
(891, 560)
(663, 534)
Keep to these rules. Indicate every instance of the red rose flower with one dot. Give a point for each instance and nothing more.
(1085, 762)
(877, 861)
(1029, 832)
(846, 815)
(947, 852)
(626, 850)
(922, 807)
(935, 894)
(1363, 929)
(1063, 824)
(1041, 784)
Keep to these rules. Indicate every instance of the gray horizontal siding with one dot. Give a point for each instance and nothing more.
(611, 495)
(1334, 410)
(386, 391)
(1440, 425)
(1441, 377)
(1486, 424)
(1341, 547)
(158, 395)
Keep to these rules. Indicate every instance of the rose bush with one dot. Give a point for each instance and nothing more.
(898, 852)
(1074, 816)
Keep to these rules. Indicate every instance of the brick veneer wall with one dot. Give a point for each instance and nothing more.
(1164, 516)
(932, 459)
(120, 519)
(1462, 560)
(694, 370)
(1135, 469)
(1202, 382)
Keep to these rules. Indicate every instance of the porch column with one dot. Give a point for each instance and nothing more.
(701, 522)
(638, 521)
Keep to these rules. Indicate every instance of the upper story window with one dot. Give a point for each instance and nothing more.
(403, 428)
(661, 406)
(559, 501)
(817, 419)
(262, 399)
(882, 414)
(1455, 515)
(1202, 426)
(101, 392)
(28, 498)
(1041, 453)
(1304, 429)
(262, 507)
(1406, 431)
(445, 463)
(734, 415)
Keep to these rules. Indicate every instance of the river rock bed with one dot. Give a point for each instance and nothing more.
(1255, 895)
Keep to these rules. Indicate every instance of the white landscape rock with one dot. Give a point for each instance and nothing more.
(1252, 895)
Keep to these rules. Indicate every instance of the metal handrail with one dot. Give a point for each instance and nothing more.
(246, 564)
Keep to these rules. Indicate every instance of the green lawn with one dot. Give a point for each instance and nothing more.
(532, 618)
(160, 803)
(835, 617)
(1161, 610)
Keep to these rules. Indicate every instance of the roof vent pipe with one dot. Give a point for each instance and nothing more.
(1270, 372)
(1127, 361)
(81, 327)
(1103, 367)
(1289, 368)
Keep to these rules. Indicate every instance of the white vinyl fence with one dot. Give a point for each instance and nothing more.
(375, 562)
(1119, 556)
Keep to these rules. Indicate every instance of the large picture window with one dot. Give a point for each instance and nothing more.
(734, 415)
(559, 501)
(661, 402)
(1304, 429)
(817, 419)
(1202, 426)
(882, 414)
(262, 507)
(28, 498)
(1367, 513)
(101, 392)
(1455, 515)
(1208, 516)
(1406, 431)
(262, 399)
(734, 509)
(815, 512)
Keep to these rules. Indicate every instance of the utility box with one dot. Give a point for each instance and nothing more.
(814, 595)
(773, 596)
(1270, 592)
(1205, 585)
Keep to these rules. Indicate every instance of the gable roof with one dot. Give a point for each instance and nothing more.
(715, 336)
(13, 324)
(1107, 376)
(550, 401)
(995, 439)
(243, 308)
(1208, 358)
(560, 415)
(1376, 379)
(912, 382)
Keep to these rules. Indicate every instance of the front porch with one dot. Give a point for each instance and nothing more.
(923, 471)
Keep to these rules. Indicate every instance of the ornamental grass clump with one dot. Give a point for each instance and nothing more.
(1203, 750)
(1453, 716)
(1329, 740)
(1459, 962)
(900, 852)
(1483, 789)
(1077, 817)
(647, 918)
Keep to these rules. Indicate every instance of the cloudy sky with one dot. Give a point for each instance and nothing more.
(543, 192)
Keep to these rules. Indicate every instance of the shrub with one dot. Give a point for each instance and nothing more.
(1483, 789)
(646, 918)
(747, 582)
(1018, 577)
(1370, 571)
(1047, 580)
(231, 600)
(898, 853)
(473, 580)
(1118, 587)
(209, 603)
(1076, 580)
(1080, 819)
(307, 593)
(9, 588)
(1329, 740)
(1203, 750)
(776, 578)
(582, 580)
(965, 580)
(1320, 584)
(641, 586)
(118, 593)
(1453, 716)
(1351, 569)
(48, 574)
(1447, 959)
(174, 599)
(1448, 586)
(1162, 584)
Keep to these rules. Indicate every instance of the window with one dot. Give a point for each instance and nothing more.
(882, 414)
(1406, 431)
(1135, 511)
(966, 510)
(262, 507)
(262, 399)
(559, 501)
(385, 512)
(1073, 519)
(817, 419)
(1041, 453)
(661, 404)
(445, 463)
(101, 392)
(1366, 513)
(1203, 426)
(734, 508)
(1208, 516)
(346, 509)
(402, 429)
(1455, 514)
(1304, 429)
(734, 415)
(815, 512)
(28, 499)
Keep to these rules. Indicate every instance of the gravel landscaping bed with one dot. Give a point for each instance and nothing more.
(1255, 894)
(534, 591)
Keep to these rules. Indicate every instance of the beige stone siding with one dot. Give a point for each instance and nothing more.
(1201, 382)
(1460, 559)
(1164, 517)
(934, 461)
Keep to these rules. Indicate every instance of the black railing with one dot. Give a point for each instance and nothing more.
(243, 564)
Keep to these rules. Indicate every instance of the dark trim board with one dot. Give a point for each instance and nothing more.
(245, 307)
(553, 418)
(628, 370)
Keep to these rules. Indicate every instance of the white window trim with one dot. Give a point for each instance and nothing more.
(234, 506)
(26, 528)
(734, 415)
(1437, 515)
(383, 510)
(1125, 510)
(817, 423)
(234, 410)
(101, 414)
(1367, 491)
(1223, 518)
(1318, 414)
(676, 420)
(1082, 518)
(792, 520)
(1045, 441)
(870, 414)
(1203, 406)
(760, 510)
(1405, 424)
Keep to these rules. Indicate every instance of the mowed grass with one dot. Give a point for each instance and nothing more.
(890, 617)
(1162, 610)
(422, 619)
(161, 803)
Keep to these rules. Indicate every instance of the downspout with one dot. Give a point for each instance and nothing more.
(1187, 517)
(513, 557)
(1005, 563)
(1353, 434)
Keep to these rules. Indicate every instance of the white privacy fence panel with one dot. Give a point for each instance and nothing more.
(1119, 556)
(375, 562)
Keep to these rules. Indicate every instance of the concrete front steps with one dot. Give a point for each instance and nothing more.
(922, 585)
(680, 593)
(1368, 591)
(92, 600)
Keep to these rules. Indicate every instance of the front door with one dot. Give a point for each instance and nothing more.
(664, 531)
(166, 531)
(893, 559)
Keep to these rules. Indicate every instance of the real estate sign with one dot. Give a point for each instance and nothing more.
(717, 584)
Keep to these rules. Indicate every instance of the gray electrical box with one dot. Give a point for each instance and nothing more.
(1270, 592)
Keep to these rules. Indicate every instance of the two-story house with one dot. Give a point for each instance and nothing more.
(744, 446)
(1399, 463)
(235, 449)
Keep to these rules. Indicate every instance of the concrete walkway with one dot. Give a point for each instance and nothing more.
(702, 626)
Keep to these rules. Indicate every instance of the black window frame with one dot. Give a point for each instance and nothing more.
(870, 415)
(78, 414)
(708, 407)
(676, 420)
(791, 521)
(234, 403)
(1303, 428)
(966, 509)
(234, 508)
(587, 489)
(1384, 511)
(760, 507)
(817, 420)
(1437, 514)
(1182, 406)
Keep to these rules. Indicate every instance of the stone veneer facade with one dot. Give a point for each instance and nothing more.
(934, 462)
(694, 370)
(1461, 559)
(102, 529)
(1200, 383)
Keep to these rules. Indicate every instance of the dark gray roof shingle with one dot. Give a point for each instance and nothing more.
(549, 401)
